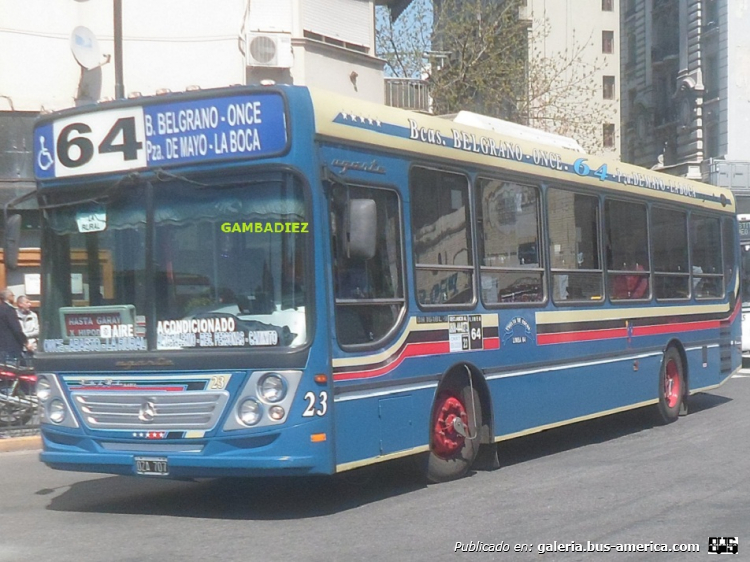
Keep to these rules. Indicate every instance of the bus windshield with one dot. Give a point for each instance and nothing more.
(219, 266)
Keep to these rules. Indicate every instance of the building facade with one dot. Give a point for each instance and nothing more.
(587, 33)
(686, 86)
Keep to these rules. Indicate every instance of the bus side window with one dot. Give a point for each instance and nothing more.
(728, 238)
(628, 266)
(707, 268)
(669, 240)
(441, 237)
(573, 224)
(511, 265)
(368, 281)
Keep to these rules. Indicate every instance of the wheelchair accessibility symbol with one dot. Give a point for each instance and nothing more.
(44, 159)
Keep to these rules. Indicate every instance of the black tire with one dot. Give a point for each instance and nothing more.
(671, 386)
(451, 457)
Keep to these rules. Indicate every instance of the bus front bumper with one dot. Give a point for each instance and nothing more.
(242, 456)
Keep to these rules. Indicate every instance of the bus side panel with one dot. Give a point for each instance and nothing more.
(528, 401)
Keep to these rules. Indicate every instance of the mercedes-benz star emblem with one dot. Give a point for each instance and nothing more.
(147, 413)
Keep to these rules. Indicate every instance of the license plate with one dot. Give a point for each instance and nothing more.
(152, 466)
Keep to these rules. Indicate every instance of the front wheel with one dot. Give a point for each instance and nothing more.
(454, 432)
(671, 386)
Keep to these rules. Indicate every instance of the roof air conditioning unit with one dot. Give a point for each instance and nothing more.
(269, 49)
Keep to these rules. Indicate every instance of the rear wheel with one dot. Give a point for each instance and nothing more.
(671, 385)
(454, 438)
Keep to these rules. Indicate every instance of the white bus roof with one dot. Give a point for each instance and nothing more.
(509, 129)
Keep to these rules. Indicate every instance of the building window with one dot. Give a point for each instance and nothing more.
(608, 135)
(608, 87)
(711, 76)
(630, 155)
(608, 5)
(711, 147)
(632, 50)
(608, 42)
(711, 13)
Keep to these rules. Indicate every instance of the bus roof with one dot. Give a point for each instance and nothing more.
(390, 128)
(509, 129)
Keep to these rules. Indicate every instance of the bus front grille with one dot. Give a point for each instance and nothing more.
(140, 411)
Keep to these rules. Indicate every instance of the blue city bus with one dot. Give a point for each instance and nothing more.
(275, 280)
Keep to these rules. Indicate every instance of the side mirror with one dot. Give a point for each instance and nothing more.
(361, 222)
(12, 241)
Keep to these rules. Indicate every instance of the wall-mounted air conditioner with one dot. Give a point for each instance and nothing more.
(269, 49)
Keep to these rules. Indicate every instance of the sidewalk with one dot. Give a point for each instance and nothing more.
(20, 443)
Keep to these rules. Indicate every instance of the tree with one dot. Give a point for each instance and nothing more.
(485, 56)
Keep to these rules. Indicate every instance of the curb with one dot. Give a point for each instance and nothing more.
(21, 443)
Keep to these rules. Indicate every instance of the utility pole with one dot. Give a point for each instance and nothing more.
(119, 86)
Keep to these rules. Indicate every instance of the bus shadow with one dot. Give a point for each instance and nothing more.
(307, 497)
(239, 498)
(593, 431)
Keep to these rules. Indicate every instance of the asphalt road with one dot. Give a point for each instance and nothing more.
(620, 480)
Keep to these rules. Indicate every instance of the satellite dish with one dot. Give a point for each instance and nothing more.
(85, 47)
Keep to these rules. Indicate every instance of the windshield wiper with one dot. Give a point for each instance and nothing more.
(99, 198)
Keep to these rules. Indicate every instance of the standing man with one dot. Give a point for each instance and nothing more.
(29, 321)
(12, 338)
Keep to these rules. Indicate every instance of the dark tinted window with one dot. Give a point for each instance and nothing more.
(574, 246)
(705, 253)
(627, 250)
(729, 237)
(441, 237)
(508, 219)
(670, 243)
(369, 291)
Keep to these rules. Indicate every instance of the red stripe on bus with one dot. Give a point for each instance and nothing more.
(669, 328)
(491, 343)
(656, 329)
(590, 335)
(411, 350)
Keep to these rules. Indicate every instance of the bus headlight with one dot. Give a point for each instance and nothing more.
(249, 412)
(43, 389)
(56, 411)
(276, 413)
(272, 388)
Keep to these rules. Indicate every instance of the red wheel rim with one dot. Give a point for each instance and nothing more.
(446, 441)
(672, 390)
